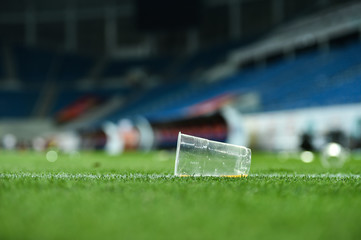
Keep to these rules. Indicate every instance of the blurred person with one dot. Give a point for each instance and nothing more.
(306, 142)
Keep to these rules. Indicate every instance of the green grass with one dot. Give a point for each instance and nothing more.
(94, 196)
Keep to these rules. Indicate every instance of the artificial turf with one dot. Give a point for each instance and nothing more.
(135, 196)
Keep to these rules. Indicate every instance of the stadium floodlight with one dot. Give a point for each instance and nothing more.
(202, 157)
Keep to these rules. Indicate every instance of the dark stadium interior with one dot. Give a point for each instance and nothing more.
(78, 64)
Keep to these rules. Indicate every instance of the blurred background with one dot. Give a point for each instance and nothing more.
(275, 75)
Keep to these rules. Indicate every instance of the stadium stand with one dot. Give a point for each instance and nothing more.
(152, 66)
(66, 97)
(17, 104)
(205, 59)
(148, 100)
(312, 79)
(290, 68)
(302, 33)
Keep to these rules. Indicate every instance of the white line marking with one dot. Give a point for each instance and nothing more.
(156, 176)
(296, 175)
(81, 176)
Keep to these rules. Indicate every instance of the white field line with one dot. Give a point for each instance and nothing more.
(296, 175)
(156, 176)
(82, 176)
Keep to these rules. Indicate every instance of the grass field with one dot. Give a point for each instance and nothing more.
(135, 196)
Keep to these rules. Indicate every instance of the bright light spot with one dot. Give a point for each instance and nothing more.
(39, 144)
(307, 156)
(333, 155)
(67, 141)
(334, 150)
(51, 156)
(9, 141)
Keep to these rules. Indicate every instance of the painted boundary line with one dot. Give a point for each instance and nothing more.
(321, 175)
(157, 176)
(82, 176)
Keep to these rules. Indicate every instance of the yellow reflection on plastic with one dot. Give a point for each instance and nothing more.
(228, 176)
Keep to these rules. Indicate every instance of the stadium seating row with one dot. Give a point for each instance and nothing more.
(312, 79)
(315, 78)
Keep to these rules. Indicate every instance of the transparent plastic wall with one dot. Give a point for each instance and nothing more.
(201, 157)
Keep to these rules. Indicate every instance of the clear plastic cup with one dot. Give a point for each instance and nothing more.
(201, 157)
